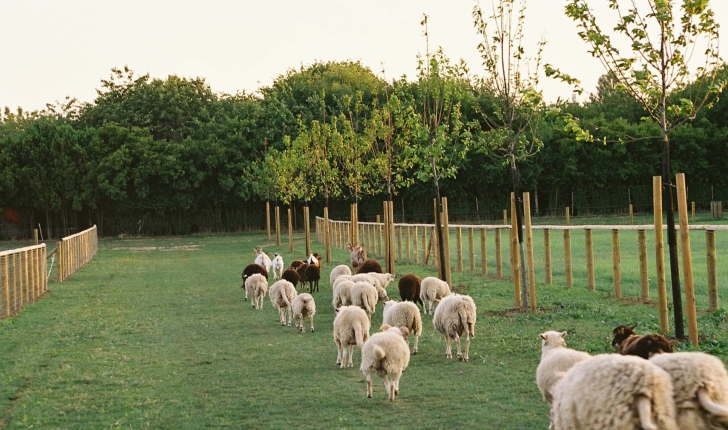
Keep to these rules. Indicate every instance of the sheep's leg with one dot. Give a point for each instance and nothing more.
(467, 348)
(369, 385)
(448, 351)
(460, 353)
(395, 383)
(388, 387)
(311, 324)
(644, 410)
(414, 351)
(351, 355)
(339, 352)
(290, 315)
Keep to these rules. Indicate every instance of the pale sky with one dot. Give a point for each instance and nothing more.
(51, 49)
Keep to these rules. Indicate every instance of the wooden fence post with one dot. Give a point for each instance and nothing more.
(515, 269)
(505, 217)
(398, 231)
(409, 240)
(378, 234)
(267, 218)
(278, 226)
(547, 255)
(459, 245)
(498, 254)
(471, 249)
(631, 214)
(616, 274)
(483, 253)
(387, 245)
(567, 258)
(307, 230)
(591, 278)
(529, 251)
(644, 280)
(415, 251)
(712, 270)
(290, 230)
(687, 259)
(568, 217)
(446, 238)
(660, 254)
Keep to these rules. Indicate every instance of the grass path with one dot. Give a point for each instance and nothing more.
(154, 333)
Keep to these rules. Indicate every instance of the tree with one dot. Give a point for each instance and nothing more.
(662, 44)
(513, 105)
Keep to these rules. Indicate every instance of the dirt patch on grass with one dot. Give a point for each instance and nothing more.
(157, 248)
(460, 289)
(513, 311)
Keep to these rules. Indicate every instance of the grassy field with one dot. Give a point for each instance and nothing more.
(154, 333)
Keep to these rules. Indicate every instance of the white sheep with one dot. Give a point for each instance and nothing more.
(366, 296)
(304, 307)
(433, 290)
(262, 259)
(612, 391)
(455, 316)
(403, 314)
(340, 278)
(700, 388)
(351, 327)
(342, 294)
(384, 278)
(282, 293)
(256, 286)
(365, 278)
(556, 359)
(337, 271)
(387, 354)
(278, 266)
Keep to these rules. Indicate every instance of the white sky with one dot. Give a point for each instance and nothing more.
(51, 49)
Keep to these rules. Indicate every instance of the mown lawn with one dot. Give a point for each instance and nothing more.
(154, 333)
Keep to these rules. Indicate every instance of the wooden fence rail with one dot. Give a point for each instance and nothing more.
(75, 251)
(23, 278)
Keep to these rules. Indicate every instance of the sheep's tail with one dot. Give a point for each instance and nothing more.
(644, 410)
(417, 325)
(720, 411)
(378, 352)
(359, 334)
(284, 296)
(464, 313)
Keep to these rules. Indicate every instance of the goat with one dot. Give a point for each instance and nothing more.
(358, 255)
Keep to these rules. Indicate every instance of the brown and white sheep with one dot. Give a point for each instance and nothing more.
(252, 269)
(646, 345)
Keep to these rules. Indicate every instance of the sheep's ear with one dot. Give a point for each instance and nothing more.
(542, 336)
(336, 310)
(385, 327)
(404, 330)
(563, 333)
(621, 330)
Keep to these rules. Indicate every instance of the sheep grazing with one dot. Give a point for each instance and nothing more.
(556, 359)
(282, 293)
(252, 269)
(403, 314)
(700, 389)
(337, 271)
(262, 259)
(612, 391)
(384, 278)
(256, 285)
(291, 276)
(370, 266)
(358, 255)
(387, 354)
(351, 327)
(646, 345)
(304, 307)
(366, 296)
(454, 317)
(433, 290)
(342, 294)
(277, 266)
(409, 289)
(312, 275)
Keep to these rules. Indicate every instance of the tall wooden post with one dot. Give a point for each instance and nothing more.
(278, 226)
(459, 245)
(712, 262)
(408, 241)
(387, 246)
(591, 278)
(644, 280)
(267, 218)
(5, 287)
(446, 239)
(616, 261)
(290, 231)
(498, 254)
(547, 255)
(687, 259)
(568, 217)
(483, 253)
(529, 251)
(471, 249)
(391, 238)
(631, 214)
(505, 217)
(327, 235)
(378, 233)
(660, 254)
(515, 269)
(567, 258)
(307, 230)
(416, 248)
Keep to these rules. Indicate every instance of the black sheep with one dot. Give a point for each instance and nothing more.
(312, 274)
(291, 276)
(409, 289)
(252, 269)
(370, 265)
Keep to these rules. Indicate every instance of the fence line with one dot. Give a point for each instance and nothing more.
(75, 251)
(23, 278)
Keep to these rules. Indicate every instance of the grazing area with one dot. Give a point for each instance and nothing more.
(155, 333)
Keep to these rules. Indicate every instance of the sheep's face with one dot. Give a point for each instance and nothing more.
(621, 333)
(552, 338)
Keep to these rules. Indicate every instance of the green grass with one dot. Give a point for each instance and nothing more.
(154, 333)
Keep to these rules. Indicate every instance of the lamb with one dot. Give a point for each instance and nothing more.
(455, 316)
(277, 266)
(433, 290)
(281, 294)
(256, 285)
(409, 289)
(351, 327)
(700, 388)
(312, 275)
(249, 270)
(403, 314)
(358, 255)
(262, 259)
(384, 278)
(365, 295)
(628, 343)
(304, 307)
(612, 391)
(386, 353)
(342, 294)
(291, 276)
(556, 359)
(337, 271)
(370, 265)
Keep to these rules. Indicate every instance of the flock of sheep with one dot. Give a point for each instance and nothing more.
(645, 386)
(355, 297)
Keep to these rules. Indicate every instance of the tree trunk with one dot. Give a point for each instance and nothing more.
(519, 221)
(438, 231)
(668, 205)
